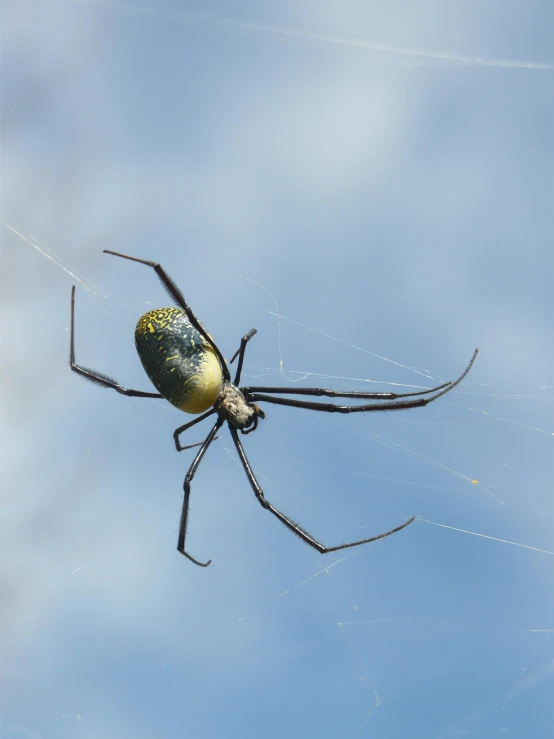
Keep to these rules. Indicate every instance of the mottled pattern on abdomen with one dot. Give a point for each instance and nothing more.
(181, 364)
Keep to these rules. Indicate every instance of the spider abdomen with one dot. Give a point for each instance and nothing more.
(178, 360)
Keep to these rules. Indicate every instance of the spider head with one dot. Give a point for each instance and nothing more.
(234, 408)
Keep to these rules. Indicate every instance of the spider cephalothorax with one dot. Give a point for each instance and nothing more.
(232, 406)
(185, 365)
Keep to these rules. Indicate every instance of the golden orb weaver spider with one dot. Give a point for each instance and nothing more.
(185, 365)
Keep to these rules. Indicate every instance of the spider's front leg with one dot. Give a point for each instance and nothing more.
(288, 522)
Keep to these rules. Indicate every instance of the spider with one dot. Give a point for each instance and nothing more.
(187, 368)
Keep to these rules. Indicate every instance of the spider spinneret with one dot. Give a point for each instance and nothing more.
(187, 368)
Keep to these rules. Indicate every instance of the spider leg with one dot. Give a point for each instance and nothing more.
(240, 353)
(179, 298)
(188, 425)
(98, 377)
(294, 527)
(320, 391)
(188, 479)
(389, 406)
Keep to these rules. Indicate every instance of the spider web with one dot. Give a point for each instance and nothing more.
(441, 630)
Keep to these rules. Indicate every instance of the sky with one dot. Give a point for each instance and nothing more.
(370, 186)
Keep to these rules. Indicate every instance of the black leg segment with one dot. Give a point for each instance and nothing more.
(393, 405)
(98, 377)
(294, 527)
(179, 298)
(188, 425)
(188, 479)
(240, 354)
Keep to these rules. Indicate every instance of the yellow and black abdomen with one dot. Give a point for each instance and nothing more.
(181, 364)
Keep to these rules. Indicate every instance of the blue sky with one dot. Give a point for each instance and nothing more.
(372, 189)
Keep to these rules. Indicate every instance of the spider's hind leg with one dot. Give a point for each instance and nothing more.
(99, 378)
(179, 298)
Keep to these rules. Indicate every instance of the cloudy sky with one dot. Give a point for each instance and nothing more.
(371, 186)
